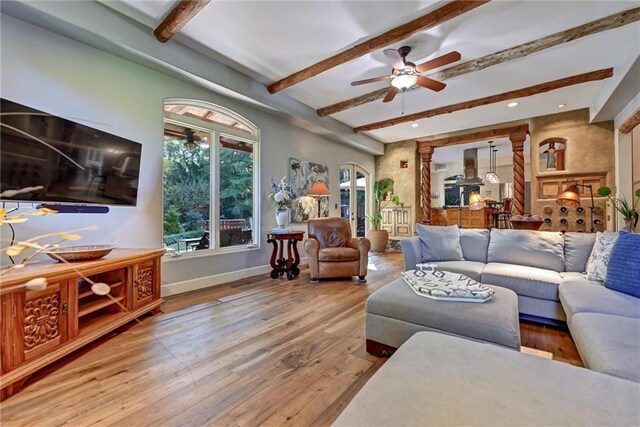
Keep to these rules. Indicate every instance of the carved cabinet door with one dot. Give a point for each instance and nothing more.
(146, 283)
(41, 319)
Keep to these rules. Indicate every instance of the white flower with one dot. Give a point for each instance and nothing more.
(278, 197)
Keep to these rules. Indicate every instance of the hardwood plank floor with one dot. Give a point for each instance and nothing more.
(253, 352)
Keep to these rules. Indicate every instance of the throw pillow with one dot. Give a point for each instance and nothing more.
(440, 243)
(600, 254)
(623, 274)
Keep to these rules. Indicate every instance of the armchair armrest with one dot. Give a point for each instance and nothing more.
(312, 247)
(363, 245)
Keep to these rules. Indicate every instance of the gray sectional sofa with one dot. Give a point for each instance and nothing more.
(545, 270)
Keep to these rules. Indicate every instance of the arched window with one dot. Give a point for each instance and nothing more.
(210, 178)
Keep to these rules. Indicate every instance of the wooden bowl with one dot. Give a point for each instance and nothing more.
(526, 225)
(80, 253)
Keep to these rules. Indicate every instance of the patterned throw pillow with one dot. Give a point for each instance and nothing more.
(600, 254)
(623, 274)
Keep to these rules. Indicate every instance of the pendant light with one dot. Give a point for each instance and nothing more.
(492, 176)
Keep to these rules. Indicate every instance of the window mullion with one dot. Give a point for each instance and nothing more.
(215, 186)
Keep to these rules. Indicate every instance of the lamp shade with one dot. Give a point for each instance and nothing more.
(319, 188)
(475, 201)
(569, 197)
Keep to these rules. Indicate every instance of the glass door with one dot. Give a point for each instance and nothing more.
(354, 184)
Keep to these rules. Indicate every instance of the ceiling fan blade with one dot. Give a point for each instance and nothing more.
(371, 80)
(394, 59)
(439, 61)
(430, 83)
(391, 94)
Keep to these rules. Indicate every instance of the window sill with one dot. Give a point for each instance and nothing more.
(210, 252)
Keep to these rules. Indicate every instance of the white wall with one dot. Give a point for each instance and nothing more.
(55, 74)
(623, 154)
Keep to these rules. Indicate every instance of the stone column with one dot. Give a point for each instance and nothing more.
(517, 145)
(426, 151)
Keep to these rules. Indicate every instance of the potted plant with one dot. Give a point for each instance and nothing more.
(382, 195)
(628, 210)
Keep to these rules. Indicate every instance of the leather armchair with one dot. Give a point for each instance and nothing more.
(333, 252)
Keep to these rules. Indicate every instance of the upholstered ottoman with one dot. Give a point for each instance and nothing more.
(437, 380)
(394, 313)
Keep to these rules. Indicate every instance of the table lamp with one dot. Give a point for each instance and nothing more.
(571, 197)
(317, 190)
(475, 201)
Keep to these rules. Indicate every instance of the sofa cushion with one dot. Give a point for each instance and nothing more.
(584, 297)
(338, 254)
(608, 344)
(577, 248)
(474, 243)
(437, 380)
(440, 243)
(541, 249)
(623, 272)
(470, 269)
(600, 254)
(523, 280)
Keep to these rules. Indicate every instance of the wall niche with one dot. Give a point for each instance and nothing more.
(552, 154)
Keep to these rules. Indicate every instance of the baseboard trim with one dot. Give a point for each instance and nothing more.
(215, 280)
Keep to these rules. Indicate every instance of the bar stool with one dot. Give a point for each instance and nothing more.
(503, 216)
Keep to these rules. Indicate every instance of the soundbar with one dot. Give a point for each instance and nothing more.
(77, 209)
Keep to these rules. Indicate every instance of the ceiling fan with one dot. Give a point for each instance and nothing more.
(406, 74)
(191, 140)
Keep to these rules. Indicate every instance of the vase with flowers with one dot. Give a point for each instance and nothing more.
(282, 196)
(629, 211)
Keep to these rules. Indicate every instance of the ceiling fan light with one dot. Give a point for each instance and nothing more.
(191, 146)
(404, 81)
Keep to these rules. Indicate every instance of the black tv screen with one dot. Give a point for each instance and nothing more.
(65, 161)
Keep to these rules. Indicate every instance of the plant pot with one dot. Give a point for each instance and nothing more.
(629, 225)
(378, 239)
(282, 217)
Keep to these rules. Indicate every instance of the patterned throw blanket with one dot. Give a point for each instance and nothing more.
(446, 286)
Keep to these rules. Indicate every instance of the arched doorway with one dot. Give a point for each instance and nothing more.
(354, 197)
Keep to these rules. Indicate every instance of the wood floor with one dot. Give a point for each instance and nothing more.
(256, 351)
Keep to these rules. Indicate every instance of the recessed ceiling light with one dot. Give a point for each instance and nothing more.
(393, 138)
(414, 125)
(512, 104)
(562, 105)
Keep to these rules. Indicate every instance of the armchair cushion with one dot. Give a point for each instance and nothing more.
(338, 254)
(330, 232)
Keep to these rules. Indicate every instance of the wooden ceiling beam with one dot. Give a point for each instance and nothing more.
(631, 122)
(395, 35)
(487, 100)
(430, 144)
(184, 11)
(607, 23)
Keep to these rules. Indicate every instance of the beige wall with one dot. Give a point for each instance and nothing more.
(589, 149)
(407, 181)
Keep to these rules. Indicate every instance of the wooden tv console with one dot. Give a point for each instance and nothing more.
(39, 327)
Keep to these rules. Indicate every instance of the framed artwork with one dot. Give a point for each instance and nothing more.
(552, 155)
(302, 175)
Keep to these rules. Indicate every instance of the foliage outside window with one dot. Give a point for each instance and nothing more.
(209, 180)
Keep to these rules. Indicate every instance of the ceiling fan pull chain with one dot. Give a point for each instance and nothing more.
(403, 102)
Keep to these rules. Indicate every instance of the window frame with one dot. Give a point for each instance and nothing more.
(215, 132)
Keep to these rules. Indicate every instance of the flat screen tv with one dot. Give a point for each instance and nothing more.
(64, 161)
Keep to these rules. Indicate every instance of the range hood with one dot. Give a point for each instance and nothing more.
(470, 163)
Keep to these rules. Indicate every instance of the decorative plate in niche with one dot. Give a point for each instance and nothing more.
(598, 210)
(548, 210)
(564, 210)
(580, 210)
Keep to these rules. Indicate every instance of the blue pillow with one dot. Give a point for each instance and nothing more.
(623, 273)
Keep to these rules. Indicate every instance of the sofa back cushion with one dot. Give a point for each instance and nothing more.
(623, 272)
(577, 248)
(330, 232)
(541, 249)
(440, 243)
(474, 243)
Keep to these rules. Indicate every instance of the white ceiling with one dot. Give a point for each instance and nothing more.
(269, 40)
